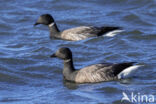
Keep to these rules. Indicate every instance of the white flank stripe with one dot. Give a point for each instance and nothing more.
(113, 33)
(128, 71)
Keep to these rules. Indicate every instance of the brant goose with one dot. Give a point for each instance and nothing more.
(93, 73)
(75, 34)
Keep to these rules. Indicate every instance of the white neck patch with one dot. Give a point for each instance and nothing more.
(67, 60)
(52, 24)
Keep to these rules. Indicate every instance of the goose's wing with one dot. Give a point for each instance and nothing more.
(94, 73)
(83, 32)
(80, 33)
(101, 72)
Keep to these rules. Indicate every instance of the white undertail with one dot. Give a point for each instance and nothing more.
(113, 33)
(128, 72)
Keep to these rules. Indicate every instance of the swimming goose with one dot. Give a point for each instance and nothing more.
(93, 73)
(77, 33)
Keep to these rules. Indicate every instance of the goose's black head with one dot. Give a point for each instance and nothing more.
(45, 19)
(63, 53)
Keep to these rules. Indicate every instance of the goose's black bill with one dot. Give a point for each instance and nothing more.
(53, 55)
(36, 24)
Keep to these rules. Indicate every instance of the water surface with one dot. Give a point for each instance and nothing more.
(29, 76)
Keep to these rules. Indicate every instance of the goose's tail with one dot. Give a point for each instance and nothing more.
(110, 31)
(113, 33)
(128, 72)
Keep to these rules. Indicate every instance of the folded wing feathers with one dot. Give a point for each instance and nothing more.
(102, 72)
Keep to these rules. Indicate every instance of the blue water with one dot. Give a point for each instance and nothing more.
(29, 76)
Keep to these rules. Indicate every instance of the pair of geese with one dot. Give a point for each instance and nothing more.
(93, 73)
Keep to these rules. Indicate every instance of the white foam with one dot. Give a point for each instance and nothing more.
(113, 33)
(128, 72)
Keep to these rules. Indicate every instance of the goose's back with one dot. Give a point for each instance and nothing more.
(80, 33)
(95, 73)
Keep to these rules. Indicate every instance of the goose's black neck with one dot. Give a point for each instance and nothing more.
(68, 65)
(54, 31)
(68, 69)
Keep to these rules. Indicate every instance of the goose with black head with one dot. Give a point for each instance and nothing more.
(77, 33)
(93, 73)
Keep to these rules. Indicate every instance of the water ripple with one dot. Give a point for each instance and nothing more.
(29, 75)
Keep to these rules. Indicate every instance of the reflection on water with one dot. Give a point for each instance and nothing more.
(70, 85)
